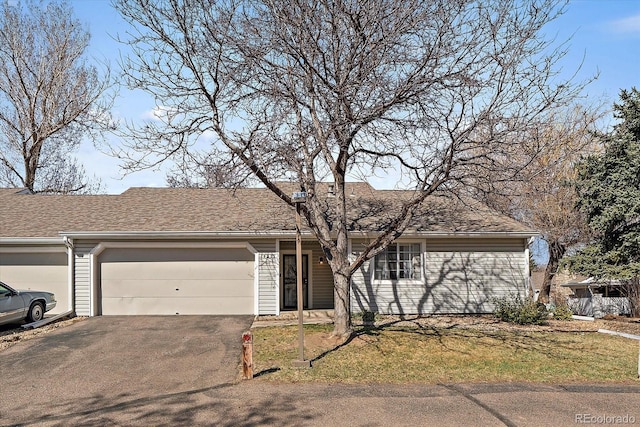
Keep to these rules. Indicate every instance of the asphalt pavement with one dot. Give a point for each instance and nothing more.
(183, 370)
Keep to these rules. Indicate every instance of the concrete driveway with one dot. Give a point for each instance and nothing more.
(103, 361)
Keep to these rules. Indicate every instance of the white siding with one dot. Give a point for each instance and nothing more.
(82, 277)
(267, 276)
(268, 283)
(461, 276)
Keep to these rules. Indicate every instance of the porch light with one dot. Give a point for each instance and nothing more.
(321, 260)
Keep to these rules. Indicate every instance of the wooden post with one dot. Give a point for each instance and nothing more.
(299, 287)
(300, 363)
(247, 355)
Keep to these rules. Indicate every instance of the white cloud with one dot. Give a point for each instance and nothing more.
(159, 113)
(630, 24)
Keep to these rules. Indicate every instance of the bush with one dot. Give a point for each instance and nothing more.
(367, 317)
(514, 309)
(562, 312)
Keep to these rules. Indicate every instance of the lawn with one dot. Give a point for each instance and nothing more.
(412, 354)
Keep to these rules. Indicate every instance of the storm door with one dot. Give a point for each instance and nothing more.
(289, 277)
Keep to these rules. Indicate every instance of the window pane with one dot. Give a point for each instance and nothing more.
(382, 266)
(416, 262)
(392, 261)
(399, 261)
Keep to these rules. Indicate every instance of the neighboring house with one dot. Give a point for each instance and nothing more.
(219, 251)
(591, 297)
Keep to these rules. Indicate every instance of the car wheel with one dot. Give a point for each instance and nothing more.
(36, 312)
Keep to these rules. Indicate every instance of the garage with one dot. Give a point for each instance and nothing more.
(42, 271)
(164, 281)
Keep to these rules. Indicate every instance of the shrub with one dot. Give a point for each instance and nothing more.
(514, 309)
(562, 312)
(367, 317)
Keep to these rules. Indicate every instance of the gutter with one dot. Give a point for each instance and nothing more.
(274, 234)
(455, 234)
(70, 272)
(31, 241)
(175, 234)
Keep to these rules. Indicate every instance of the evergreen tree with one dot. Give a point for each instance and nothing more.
(608, 186)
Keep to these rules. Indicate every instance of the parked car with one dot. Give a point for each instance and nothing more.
(16, 306)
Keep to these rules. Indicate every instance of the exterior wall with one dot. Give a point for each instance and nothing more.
(597, 305)
(35, 268)
(82, 277)
(321, 276)
(266, 272)
(460, 276)
(268, 283)
(559, 294)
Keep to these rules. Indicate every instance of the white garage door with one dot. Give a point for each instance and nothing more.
(176, 281)
(38, 271)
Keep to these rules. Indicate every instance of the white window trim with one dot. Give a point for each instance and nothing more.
(375, 280)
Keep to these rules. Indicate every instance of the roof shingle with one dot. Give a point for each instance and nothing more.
(223, 210)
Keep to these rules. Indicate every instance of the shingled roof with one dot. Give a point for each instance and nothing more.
(255, 210)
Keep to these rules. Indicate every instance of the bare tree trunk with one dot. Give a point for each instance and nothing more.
(341, 267)
(556, 252)
(342, 304)
(632, 290)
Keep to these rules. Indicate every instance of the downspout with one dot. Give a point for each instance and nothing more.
(278, 278)
(70, 273)
(529, 291)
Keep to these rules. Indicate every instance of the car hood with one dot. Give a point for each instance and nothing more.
(32, 292)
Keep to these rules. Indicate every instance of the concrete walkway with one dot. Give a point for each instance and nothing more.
(288, 318)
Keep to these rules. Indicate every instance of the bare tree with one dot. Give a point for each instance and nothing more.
(543, 195)
(205, 170)
(49, 97)
(306, 91)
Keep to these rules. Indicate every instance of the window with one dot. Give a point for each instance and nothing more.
(5, 292)
(399, 261)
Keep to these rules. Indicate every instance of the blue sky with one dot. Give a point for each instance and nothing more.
(605, 38)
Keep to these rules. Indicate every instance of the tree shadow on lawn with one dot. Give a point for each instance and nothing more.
(516, 340)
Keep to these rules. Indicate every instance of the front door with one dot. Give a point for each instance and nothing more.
(289, 279)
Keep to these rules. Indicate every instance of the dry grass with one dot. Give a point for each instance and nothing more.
(414, 353)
